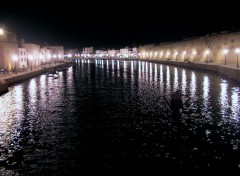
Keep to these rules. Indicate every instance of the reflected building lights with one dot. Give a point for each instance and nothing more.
(18, 97)
(32, 90)
(175, 86)
(150, 71)
(161, 79)
(235, 104)
(205, 91)
(168, 86)
(155, 72)
(193, 85)
(223, 96)
(184, 82)
(146, 73)
(132, 67)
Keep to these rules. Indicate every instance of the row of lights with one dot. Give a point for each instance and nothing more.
(207, 52)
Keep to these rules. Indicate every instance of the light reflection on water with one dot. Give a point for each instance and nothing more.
(101, 111)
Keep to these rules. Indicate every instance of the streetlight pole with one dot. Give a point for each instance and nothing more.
(14, 57)
(194, 55)
(207, 53)
(184, 53)
(176, 53)
(237, 51)
(30, 58)
(225, 52)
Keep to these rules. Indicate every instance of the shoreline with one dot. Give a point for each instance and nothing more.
(229, 72)
(10, 79)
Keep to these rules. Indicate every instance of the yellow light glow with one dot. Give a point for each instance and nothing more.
(225, 51)
(1, 31)
(237, 50)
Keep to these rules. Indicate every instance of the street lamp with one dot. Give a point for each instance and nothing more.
(168, 53)
(225, 52)
(176, 53)
(194, 55)
(184, 53)
(237, 51)
(55, 56)
(41, 58)
(1, 31)
(207, 53)
(49, 59)
(30, 58)
(161, 54)
(14, 57)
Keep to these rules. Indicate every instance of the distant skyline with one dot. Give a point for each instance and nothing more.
(106, 27)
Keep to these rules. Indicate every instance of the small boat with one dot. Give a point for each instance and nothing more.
(52, 73)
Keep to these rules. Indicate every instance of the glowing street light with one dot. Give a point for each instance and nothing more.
(237, 51)
(1, 31)
(30, 58)
(176, 53)
(14, 57)
(225, 51)
(184, 53)
(194, 54)
(161, 54)
(168, 53)
(207, 53)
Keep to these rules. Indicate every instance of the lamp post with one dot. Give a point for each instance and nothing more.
(161, 54)
(14, 57)
(55, 56)
(207, 53)
(167, 55)
(184, 53)
(194, 55)
(30, 58)
(225, 53)
(1, 31)
(237, 51)
(176, 53)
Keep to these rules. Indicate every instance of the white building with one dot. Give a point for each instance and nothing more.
(113, 53)
(22, 58)
(88, 50)
(101, 53)
(124, 53)
(33, 51)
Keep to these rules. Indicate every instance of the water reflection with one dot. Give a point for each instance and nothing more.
(224, 96)
(205, 91)
(175, 84)
(114, 114)
(235, 103)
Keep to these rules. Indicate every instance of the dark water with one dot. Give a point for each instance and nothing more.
(117, 114)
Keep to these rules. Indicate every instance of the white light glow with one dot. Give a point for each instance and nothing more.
(1, 31)
(225, 51)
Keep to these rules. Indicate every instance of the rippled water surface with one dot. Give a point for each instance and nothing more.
(119, 114)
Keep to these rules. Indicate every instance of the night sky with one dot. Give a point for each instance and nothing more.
(116, 24)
